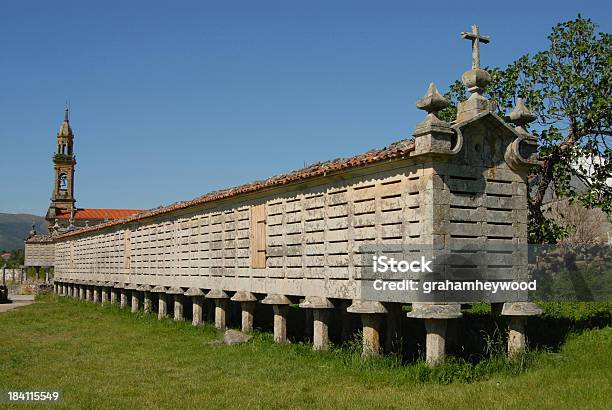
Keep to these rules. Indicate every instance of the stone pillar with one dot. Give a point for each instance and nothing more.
(114, 293)
(147, 302)
(220, 298)
(247, 307)
(371, 315)
(518, 313)
(436, 316)
(88, 294)
(162, 305)
(122, 296)
(81, 291)
(135, 299)
(279, 305)
(320, 308)
(178, 302)
(104, 293)
(96, 293)
(197, 297)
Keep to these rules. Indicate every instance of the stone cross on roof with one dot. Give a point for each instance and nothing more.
(476, 38)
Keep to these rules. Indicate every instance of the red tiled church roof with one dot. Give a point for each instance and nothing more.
(92, 213)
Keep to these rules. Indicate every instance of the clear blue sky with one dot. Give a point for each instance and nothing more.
(173, 99)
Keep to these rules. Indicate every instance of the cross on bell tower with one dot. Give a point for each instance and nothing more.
(476, 38)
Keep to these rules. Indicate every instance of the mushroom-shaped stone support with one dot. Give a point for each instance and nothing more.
(197, 296)
(178, 302)
(132, 288)
(436, 316)
(247, 302)
(279, 305)
(220, 298)
(162, 305)
(320, 308)
(370, 313)
(518, 312)
(147, 304)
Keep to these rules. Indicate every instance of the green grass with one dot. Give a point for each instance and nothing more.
(102, 357)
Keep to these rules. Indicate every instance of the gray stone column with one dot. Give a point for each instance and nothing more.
(88, 293)
(518, 313)
(96, 293)
(197, 297)
(104, 293)
(147, 301)
(178, 302)
(320, 308)
(122, 295)
(247, 302)
(436, 316)
(220, 298)
(162, 304)
(371, 315)
(134, 297)
(279, 305)
(81, 291)
(114, 293)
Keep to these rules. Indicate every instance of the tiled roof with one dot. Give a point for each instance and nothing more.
(39, 239)
(92, 213)
(397, 150)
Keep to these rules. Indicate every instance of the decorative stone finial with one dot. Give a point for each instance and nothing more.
(521, 116)
(33, 230)
(475, 79)
(432, 135)
(432, 101)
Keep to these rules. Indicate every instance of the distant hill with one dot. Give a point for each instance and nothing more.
(14, 228)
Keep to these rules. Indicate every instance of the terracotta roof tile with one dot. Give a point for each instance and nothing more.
(397, 150)
(93, 213)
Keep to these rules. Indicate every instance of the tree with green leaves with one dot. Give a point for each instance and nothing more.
(569, 88)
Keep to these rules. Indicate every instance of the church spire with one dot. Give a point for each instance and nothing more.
(65, 130)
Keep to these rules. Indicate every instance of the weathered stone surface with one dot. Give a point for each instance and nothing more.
(517, 341)
(366, 306)
(159, 289)
(175, 291)
(276, 300)
(521, 309)
(243, 296)
(247, 310)
(194, 292)
(234, 337)
(316, 302)
(217, 294)
(435, 311)
(435, 342)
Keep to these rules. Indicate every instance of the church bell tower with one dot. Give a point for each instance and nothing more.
(64, 163)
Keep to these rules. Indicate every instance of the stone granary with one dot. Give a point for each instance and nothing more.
(302, 238)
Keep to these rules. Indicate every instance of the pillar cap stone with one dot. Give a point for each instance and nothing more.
(175, 291)
(435, 311)
(194, 292)
(109, 284)
(144, 288)
(120, 285)
(316, 302)
(159, 289)
(216, 294)
(275, 299)
(521, 309)
(131, 286)
(244, 296)
(366, 306)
